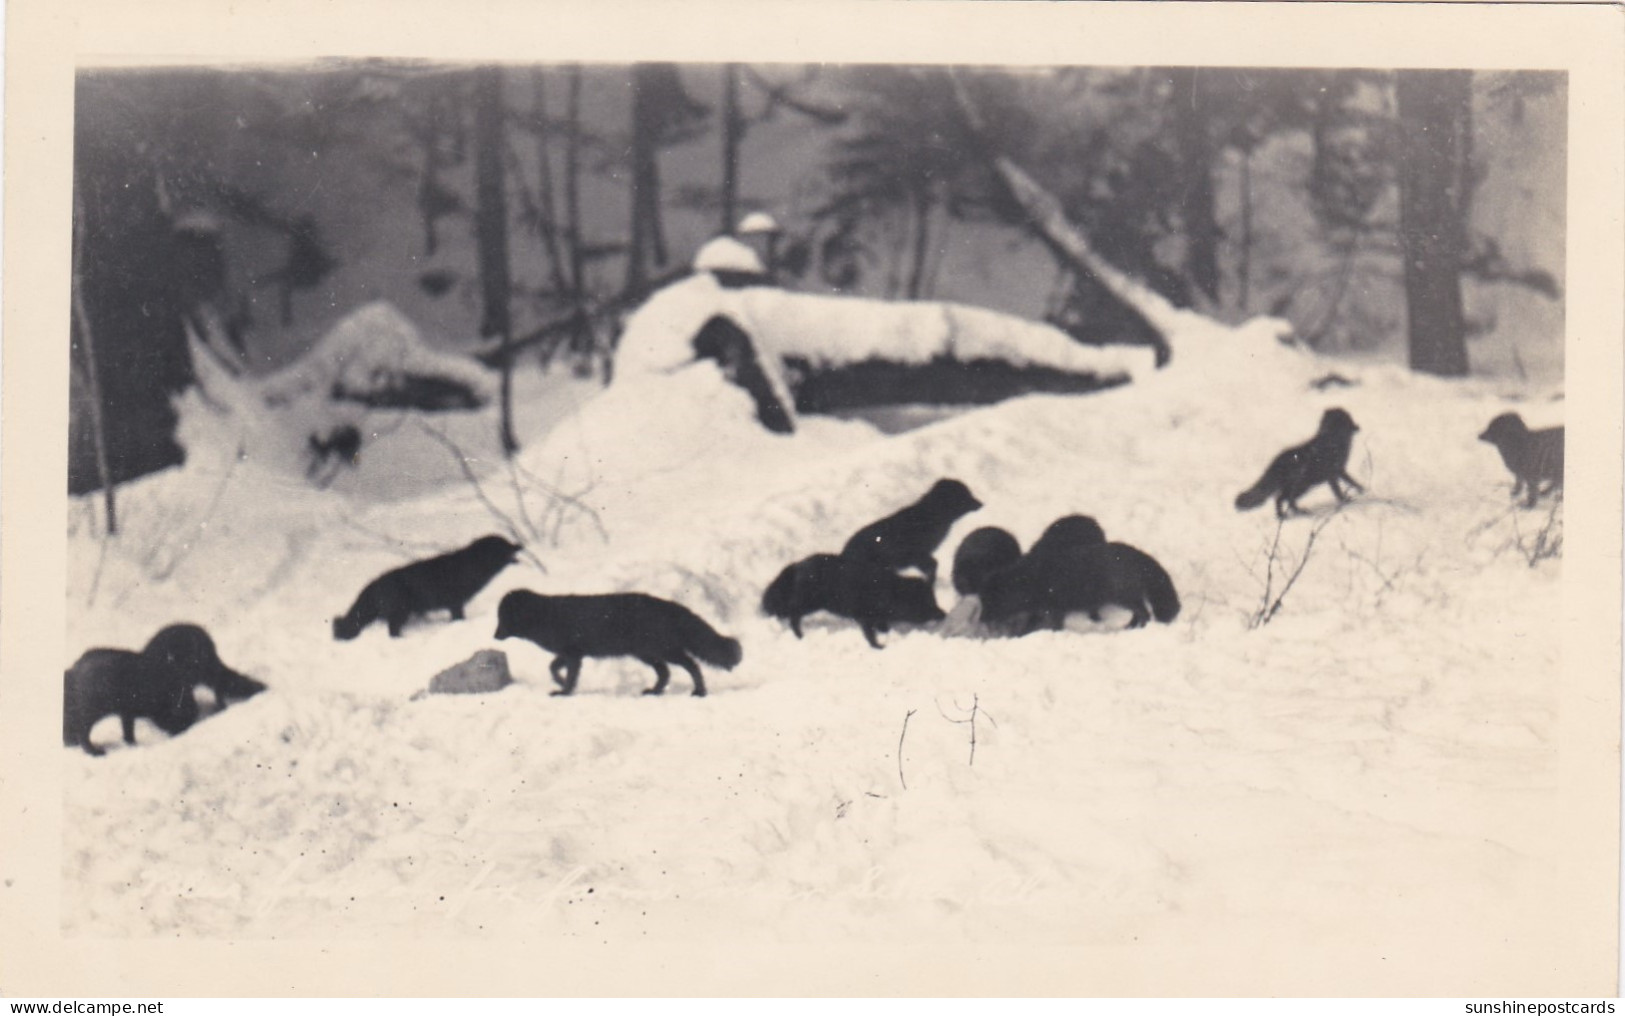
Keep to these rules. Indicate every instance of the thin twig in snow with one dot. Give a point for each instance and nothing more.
(900, 777)
(1268, 608)
(975, 711)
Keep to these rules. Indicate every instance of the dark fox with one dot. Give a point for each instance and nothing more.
(1533, 456)
(187, 649)
(446, 582)
(980, 554)
(866, 593)
(912, 535)
(644, 627)
(1066, 532)
(1322, 459)
(1040, 590)
(154, 683)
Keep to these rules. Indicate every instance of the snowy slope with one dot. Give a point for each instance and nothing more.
(1382, 749)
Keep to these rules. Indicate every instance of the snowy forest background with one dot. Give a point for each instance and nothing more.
(301, 194)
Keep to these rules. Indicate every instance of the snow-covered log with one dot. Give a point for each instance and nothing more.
(819, 333)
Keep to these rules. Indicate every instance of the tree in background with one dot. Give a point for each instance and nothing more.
(662, 115)
(1435, 128)
(150, 197)
(491, 231)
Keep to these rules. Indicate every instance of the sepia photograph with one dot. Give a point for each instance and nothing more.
(1102, 516)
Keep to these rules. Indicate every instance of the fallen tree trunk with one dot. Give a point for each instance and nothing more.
(1049, 221)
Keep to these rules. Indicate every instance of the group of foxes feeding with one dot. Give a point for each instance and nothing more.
(1071, 570)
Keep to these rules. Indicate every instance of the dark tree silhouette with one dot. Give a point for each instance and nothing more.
(491, 230)
(662, 115)
(733, 131)
(1434, 107)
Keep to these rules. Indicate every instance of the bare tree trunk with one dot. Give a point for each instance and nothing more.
(922, 241)
(645, 202)
(1190, 122)
(491, 231)
(732, 132)
(1244, 266)
(547, 227)
(581, 337)
(81, 319)
(1430, 215)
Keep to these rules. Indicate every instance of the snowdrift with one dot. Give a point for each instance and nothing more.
(1382, 751)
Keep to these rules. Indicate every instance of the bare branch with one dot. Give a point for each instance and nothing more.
(1268, 607)
(514, 531)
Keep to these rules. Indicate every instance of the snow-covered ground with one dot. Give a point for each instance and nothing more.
(1371, 757)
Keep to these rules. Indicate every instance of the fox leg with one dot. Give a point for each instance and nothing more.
(662, 675)
(795, 625)
(396, 623)
(689, 665)
(869, 633)
(1534, 492)
(928, 565)
(457, 611)
(1141, 615)
(128, 723)
(1352, 482)
(571, 667)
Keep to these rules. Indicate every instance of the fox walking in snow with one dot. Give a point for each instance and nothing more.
(1533, 456)
(446, 582)
(647, 628)
(874, 597)
(911, 536)
(1322, 459)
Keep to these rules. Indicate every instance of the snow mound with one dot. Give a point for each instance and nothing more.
(352, 378)
(725, 254)
(374, 349)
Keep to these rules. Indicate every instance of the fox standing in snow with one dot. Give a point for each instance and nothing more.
(155, 683)
(873, 596)
(1071, 571)
(446, 582)
(1531, 455)
(912, 535)
(1322, 459)
(644, 627)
